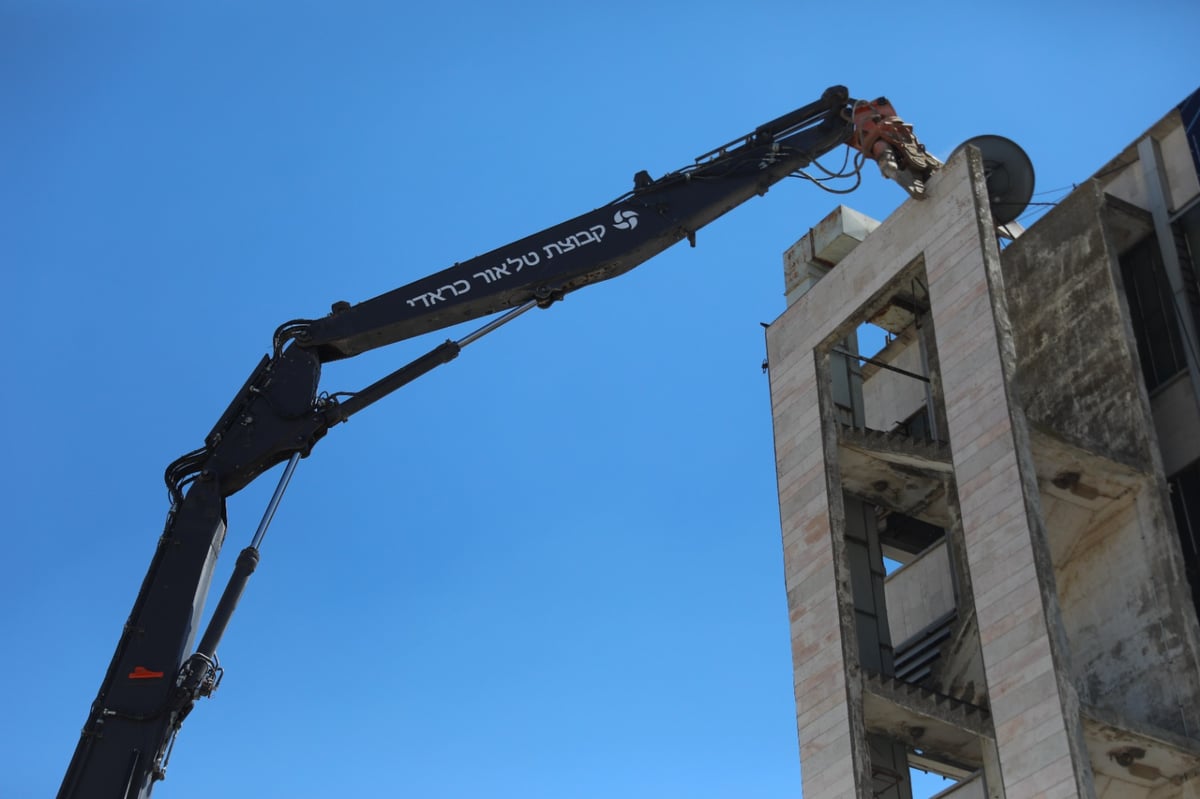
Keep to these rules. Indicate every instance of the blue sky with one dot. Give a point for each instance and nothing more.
(551, 568)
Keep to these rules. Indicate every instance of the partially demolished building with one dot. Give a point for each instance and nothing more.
(991, 525)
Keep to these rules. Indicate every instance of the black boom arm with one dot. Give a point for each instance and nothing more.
(595, 246)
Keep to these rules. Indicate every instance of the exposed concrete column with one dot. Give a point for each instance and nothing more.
(993, 782)
(931, 365)
(828, 721)
(1039, 733)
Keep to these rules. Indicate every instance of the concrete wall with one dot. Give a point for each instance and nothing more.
(1077, 368)
(888, 397)
(1130, 654)
(919, 593)
(1078, 377)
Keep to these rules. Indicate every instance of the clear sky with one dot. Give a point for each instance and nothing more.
(551, 568)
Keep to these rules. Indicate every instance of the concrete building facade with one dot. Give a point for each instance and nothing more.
(990, 527)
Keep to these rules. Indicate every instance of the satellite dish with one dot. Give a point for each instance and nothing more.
(1009, 174)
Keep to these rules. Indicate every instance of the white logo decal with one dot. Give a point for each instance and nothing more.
(625, 220)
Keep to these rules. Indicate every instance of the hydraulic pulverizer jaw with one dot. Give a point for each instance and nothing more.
(889, 141)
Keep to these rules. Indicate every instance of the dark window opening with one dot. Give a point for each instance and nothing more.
(1185, 501)
(907, 535)
(1151, 306)
(1181, 230)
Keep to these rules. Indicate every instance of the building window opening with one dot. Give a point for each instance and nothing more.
(926, 784)
(932, 775)
(1151, 306)
(872, 339)
(1185, 501)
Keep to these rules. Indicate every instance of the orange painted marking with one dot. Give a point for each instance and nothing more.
(143, 673)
